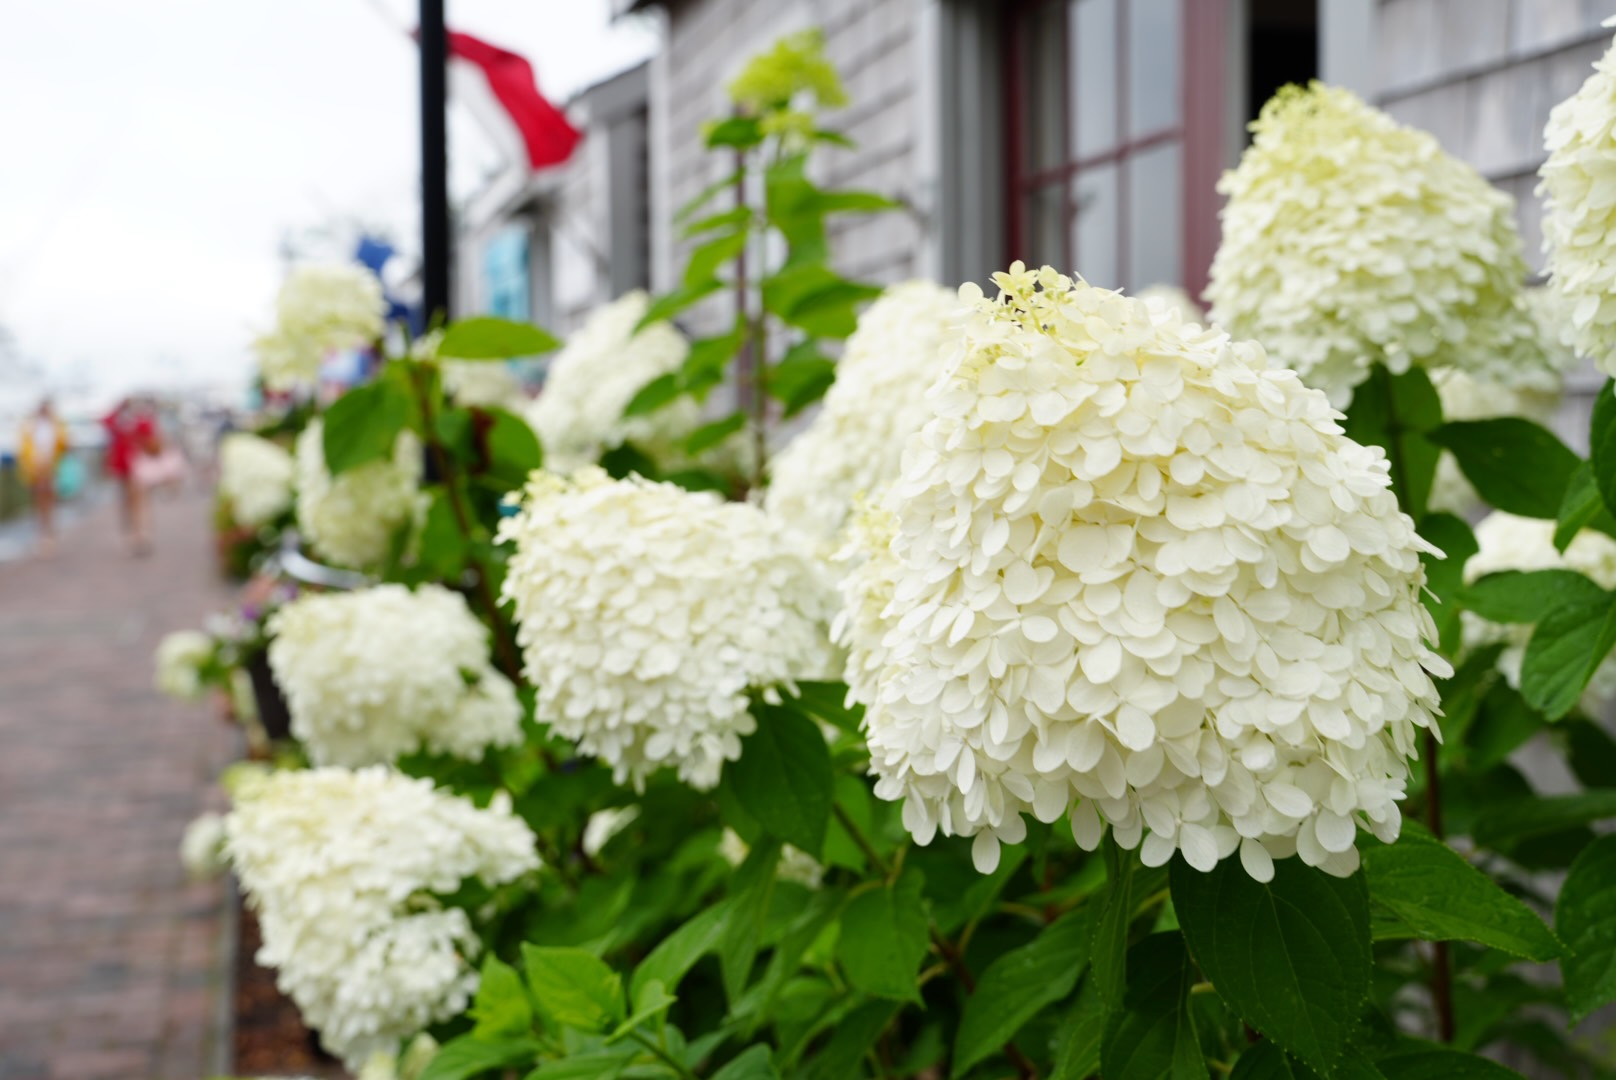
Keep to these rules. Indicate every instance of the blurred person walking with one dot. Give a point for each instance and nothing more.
(40, 449)
(131, 436)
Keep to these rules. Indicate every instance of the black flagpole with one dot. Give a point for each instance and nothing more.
(434, 164)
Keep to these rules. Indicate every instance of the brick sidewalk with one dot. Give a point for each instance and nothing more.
(111, 964)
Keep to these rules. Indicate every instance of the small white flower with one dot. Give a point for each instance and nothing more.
(794, 864)
(1350, 239)
(372, 675)
(256, 476)
(647, 612)
(179, 661)
(343, 869)
(855, 442)
(350, 519)
(202, 847)
(1129, 565)
(1506, 542)
(579, 413)
(605, 824)
(1579, 211)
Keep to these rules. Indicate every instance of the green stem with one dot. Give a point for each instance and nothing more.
(504, 649)
(1394, 443)
(862, 841)
(951, 953)
(1441, 961)
(668, 1059)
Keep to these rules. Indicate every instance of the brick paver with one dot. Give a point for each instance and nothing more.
(111, 964)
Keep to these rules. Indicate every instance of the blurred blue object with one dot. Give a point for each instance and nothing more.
(69, 476)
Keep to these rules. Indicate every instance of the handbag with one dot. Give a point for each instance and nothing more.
(166, 466)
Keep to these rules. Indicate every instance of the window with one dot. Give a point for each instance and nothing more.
(1120, 115)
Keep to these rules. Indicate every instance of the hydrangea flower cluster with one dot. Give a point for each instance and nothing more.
(579, 414)
(1350, 239)
(1579, 210)
(350, 519)
(256, 476)
(321, 308)
(855, 443)
(647, 612)
(1507, 542)
(342, 868)
(372, 675)
(179, 661)
(1129, 564)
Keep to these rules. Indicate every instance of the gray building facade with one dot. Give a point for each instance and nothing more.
(1085, 133)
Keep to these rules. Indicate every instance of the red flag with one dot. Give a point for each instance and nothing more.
(508, 101)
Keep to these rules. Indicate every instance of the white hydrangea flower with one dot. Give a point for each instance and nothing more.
(372, 675)
(286, 363)
(339, 305)
(1173, 298)
(321, 308)
(579, 413)
(256, 476)
(483, 384)
(794, 864)
(1129, 564)
(179, 661)
(1349, 238)
(1579, 210)
(350, 519)
(647, 612)
(202, 847)
(1507, 542)
(342, 868)
(855, 442)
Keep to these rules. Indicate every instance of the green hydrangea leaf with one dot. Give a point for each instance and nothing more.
(1585, 915)
(1441, 897)
(1291, 957)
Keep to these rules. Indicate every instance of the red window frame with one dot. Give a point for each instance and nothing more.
(1201, 132)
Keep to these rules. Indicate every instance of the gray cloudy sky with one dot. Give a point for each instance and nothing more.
(157, 151)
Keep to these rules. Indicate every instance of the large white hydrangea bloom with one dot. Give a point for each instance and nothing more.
(342, 868)
(1506, 542)
(321, 308)
(1579, 210)
(878, 400)
(350, 519)
(1349, 238)
(579, 413)
(1130, 565)
(287, 363)
(372, 675)
(179, 659)
(256, 476)
(646, 612)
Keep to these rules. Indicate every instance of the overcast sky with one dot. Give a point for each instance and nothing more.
(156, 153)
